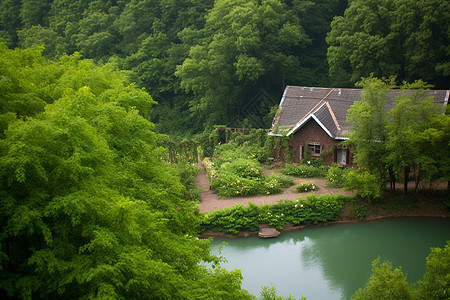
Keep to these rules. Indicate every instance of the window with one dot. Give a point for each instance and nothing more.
(315, 148)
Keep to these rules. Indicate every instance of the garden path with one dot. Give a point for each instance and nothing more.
(210, 200)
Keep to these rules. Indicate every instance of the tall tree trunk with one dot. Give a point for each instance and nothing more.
(405, 180)
(391, 179)
(417, 177)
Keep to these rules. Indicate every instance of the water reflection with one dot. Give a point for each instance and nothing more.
(333, 262)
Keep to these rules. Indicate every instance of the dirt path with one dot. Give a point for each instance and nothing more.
(210, 200)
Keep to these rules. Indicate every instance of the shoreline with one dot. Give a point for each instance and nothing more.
(289, 227)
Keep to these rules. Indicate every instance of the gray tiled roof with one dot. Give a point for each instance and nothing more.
(327, 105)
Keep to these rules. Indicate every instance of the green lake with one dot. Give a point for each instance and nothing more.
(333, 262)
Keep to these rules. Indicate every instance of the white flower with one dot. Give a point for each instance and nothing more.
(301, 205)
(295, 205)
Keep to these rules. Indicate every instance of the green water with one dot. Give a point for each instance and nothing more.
(335, 261)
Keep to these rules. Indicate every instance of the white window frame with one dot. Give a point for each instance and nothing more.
(315, 147)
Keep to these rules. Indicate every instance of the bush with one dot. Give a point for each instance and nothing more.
(336, 176)
(247, 168)
(187, 173)
(365, 184)
(306, 186)
(228, 184)
(304, 171)
(310, 210)
(232, 220)
(313, 161)
(234, 171)
(283, 180)
(357, 209)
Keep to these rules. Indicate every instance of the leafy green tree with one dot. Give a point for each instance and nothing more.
(157, 56)
(243, 41)
(90, 209)
(433, 146)
(368, 133)
(436, 280)
(385, 283)
(10, 21)
(27, 84)
(270, 293)
(403, 38)
(38, 36)
(34, 13)
(315, 17)
(410, 116)
(63, 13)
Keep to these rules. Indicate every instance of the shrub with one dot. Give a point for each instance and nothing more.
(304, 171)
(313, 209)
(232, 220)
(247, 168)
(228, 184)
(283, 180)
(306, 186)
(336, 176)
(365, 184)
(310, 210)
(313, 161)
(187, 173)
(234, 171)
(232, 151)
(357, 209)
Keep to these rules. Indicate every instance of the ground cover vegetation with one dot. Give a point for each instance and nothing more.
(308, 210)
(90, 207)
(391, 284)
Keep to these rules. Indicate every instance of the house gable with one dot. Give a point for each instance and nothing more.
(311, 132)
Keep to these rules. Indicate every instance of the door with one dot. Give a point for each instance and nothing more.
(342, 156)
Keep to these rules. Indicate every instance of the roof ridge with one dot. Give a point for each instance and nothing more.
(333, 116)
(318, 104)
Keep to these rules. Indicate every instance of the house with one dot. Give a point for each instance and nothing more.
(315, 120)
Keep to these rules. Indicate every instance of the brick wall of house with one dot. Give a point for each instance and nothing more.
(312, 132)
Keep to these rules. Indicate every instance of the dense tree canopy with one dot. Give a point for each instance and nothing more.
(89, 208)
(257, 46)
(386, 283)
(388, 136)
(404, 38)
(247, 46)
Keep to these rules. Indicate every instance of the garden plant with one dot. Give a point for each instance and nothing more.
(235, 171)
